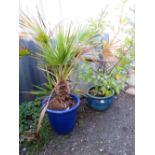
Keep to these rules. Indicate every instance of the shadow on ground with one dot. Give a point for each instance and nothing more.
(99, 133)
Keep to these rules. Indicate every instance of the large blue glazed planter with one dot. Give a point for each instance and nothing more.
(99, 103)
(63, 121)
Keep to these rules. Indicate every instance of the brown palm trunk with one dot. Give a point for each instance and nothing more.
(62, 99)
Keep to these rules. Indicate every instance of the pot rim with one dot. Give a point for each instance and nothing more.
(95, 97)
(77, 104)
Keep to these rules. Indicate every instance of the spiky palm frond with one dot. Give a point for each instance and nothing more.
(46, 88)
(23, 51)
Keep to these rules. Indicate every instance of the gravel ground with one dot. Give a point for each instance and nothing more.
(99, 133)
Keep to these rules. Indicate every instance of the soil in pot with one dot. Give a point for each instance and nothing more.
(99, 92)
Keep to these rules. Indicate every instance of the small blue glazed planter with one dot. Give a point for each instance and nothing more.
(63, 121)
(99, 103)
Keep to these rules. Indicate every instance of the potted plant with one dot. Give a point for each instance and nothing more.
(107, 74)
(59, 52)
(107, 70)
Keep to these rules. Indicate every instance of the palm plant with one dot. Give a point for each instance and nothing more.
(59, 52)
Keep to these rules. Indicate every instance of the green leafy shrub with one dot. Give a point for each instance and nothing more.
(113, 57)
(29, 113)
(105, 79)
